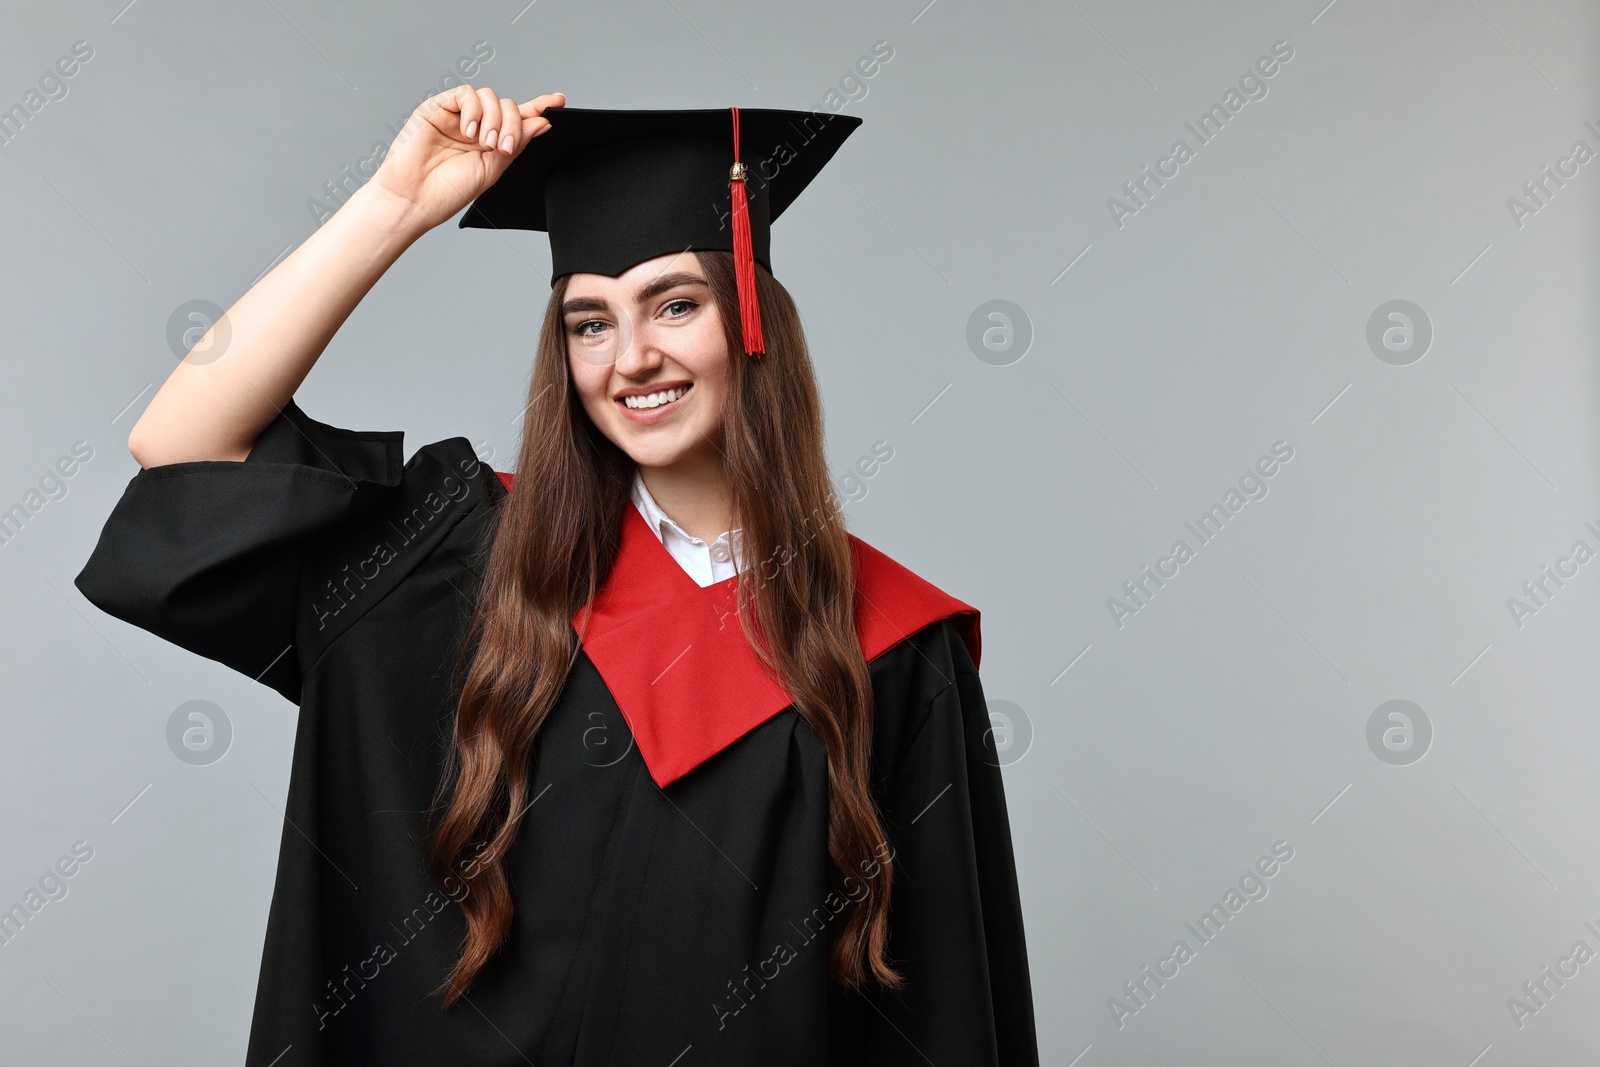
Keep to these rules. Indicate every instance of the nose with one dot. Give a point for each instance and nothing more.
(639, 351)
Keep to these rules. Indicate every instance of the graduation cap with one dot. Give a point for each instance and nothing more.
(615, 188)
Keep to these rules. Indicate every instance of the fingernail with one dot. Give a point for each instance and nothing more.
(505, 143)
(472, 127)
(489, 137)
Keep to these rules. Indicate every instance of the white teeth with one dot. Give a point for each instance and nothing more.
(654, 400)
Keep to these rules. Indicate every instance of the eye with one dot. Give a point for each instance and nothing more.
(590, 328)
(677, 309)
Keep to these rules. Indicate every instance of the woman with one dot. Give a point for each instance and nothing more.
(636, 757)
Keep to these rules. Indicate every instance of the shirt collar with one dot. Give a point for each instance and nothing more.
(660, 522)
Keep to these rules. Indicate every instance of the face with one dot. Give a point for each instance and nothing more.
(649, 359)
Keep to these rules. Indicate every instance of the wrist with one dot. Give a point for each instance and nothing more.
(390, 215)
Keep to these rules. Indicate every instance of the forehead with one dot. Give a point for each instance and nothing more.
(639, 278)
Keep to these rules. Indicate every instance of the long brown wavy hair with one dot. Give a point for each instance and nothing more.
(556, 539)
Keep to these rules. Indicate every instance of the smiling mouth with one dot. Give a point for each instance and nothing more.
(651, 401)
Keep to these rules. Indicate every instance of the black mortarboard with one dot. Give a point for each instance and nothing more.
(615, 188)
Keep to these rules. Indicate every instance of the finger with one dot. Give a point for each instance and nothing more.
(534, 127)
(464, 99)
(536, 106)
(510, 127)
(490, 133)
(445, 111)
(448, 99)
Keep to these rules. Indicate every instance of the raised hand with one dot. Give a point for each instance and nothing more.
(454, 146)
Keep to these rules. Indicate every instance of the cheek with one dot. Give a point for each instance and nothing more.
(590, 383)
(706, 354)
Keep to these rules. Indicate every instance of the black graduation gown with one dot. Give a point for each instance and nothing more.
(676, 925)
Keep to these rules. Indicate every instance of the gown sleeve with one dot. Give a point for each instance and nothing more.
(206, 554)
(955, 913)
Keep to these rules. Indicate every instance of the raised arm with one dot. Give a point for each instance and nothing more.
(214, 406)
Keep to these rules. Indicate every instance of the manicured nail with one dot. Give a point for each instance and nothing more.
(489, 138)
(505, 143)
(472, 127)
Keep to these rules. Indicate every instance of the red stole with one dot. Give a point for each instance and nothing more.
(676, 660)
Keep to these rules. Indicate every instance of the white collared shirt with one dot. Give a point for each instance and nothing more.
(706, 564)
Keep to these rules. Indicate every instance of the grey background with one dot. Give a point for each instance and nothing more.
(1228, 314)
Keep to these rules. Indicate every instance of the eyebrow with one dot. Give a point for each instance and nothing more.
(665, 283)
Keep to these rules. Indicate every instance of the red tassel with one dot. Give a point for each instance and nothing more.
(744, 260)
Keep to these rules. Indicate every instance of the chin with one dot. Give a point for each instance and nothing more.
(648, 453)
(659, 453)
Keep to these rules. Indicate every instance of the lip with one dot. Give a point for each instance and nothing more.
(645, 418)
